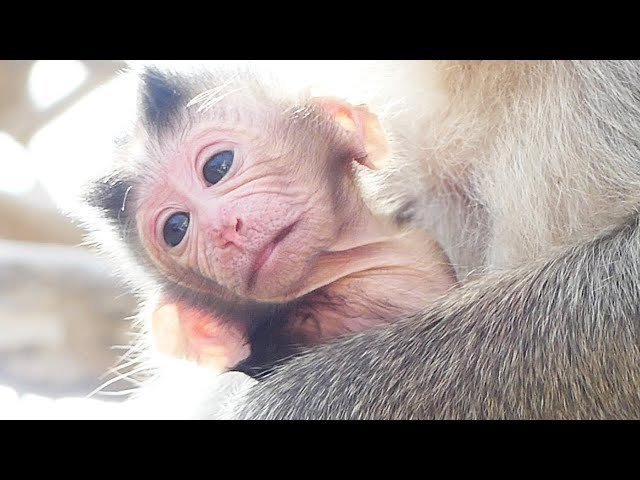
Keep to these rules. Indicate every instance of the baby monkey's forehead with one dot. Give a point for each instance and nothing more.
(171, 102)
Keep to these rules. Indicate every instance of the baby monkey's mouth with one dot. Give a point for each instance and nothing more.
(267, 252)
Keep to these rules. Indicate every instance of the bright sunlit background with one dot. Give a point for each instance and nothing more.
(71, 145)
(52, 80)
(17, 171)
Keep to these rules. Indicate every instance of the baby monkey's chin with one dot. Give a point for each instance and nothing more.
(275, 285)
(277, 271)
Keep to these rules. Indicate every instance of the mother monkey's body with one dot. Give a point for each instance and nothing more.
(527, 173)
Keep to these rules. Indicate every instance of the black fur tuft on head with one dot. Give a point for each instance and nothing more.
(161, 96)
(109, 195)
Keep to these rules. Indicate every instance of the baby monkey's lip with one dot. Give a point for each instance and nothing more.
(265, 254)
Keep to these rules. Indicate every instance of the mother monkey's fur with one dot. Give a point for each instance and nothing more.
(528, 174)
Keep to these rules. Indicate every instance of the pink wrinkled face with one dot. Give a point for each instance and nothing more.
(253, 219)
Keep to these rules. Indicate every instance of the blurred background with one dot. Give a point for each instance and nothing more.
(63, 317)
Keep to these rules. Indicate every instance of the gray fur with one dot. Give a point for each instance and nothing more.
(558, 340)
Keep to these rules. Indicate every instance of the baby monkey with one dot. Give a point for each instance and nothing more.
(242, 204)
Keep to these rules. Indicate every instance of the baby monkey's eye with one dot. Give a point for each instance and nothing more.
(176, 228)
(217, 166)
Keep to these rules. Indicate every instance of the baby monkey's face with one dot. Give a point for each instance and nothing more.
(246, 212)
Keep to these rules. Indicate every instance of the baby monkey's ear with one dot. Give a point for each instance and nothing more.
(186, 332)
(365, 126)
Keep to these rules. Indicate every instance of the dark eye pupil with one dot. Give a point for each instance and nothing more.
(175, 228)
(217, 166)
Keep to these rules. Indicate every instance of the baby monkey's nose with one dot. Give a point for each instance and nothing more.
(228, 233)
